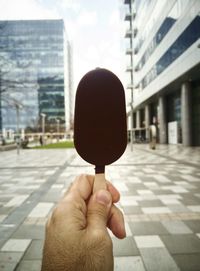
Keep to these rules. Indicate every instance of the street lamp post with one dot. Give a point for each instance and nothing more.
(18, 136)
(0, 106)
(58, 128)
(43, 127)
(131, 127)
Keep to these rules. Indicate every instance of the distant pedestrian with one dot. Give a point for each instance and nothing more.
(41, 140)
(153, 136)
(3, 141)
(24, 143)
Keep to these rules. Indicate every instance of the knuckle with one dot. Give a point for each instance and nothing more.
(67, 208)
(99, 240)
(99, 212)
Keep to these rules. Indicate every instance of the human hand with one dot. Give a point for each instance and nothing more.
(76, 234)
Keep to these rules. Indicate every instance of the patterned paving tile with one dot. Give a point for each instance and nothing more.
(160, 197)
(181, 244)
(130, 263)
(2, 217)
(170, 201)
(128, 201)
(176, 189)
(42, 209)
(197, 195)
(194, 208)
(34, 252)
(147, 228)
(188, 262)
(149, 241)
(169, 198)
(156, 210)
(145, 192)
(178, 208)
(134, 180)
(153, 203)
(16, 201)
(125, 247)
(29, 231)
(191, 178)
(7, 266)
(158, 259)
(194, 225)
(162, 179)
(34, 265)
(132, 209)
(152, 185)
(10, 257)
(176, 227)
(17, 245)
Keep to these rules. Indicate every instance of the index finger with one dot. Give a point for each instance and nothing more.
(84, 185)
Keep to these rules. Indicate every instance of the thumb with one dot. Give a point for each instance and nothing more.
(98, 209)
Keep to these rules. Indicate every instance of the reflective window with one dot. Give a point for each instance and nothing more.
(174, 107)
(31, 71)
(161, 33)
(141, 12)
(151, 22)
(190, 35)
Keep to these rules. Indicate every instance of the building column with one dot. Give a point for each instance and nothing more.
(147, 121)
(186, 114)
(162, 120)
(138, 119)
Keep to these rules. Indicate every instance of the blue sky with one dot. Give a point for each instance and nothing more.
(93, 26)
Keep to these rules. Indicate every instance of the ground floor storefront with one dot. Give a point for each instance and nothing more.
(175, 113)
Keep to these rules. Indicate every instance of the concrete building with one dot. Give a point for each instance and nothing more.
(35, 76)
(164, 69)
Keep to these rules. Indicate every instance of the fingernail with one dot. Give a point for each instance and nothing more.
(103, 197)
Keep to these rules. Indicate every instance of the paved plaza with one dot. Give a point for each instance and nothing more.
(160, 199)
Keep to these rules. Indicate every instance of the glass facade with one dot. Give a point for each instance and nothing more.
(174, 107)
(148, 27)
(32, 73)
(163, 30)
(189, 36)
(165, 68)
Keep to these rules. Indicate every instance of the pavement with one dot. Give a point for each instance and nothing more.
(160, 199)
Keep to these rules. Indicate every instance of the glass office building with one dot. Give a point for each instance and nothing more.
(34, 75)
(165, 61)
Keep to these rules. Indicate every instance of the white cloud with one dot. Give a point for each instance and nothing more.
(92, 46)
(92, 53)
(71, 29)
(114, 18)
(70, 4)
(87, 18)
(25, 10)
(105, 54)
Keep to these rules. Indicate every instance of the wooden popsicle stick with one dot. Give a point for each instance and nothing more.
(99, 182)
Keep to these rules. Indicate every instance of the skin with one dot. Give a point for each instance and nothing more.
(76, 233)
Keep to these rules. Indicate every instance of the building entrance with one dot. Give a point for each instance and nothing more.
(196, 115)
